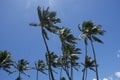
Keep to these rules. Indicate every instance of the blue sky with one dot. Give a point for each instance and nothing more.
(26, 42)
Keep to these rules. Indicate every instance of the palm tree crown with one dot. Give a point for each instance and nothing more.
(21, 66)
(89, 31)
(5, 61)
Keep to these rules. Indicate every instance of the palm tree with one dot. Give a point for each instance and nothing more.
(6, 61)
(88, 64)
(21, 66)
(70, 52)
(89, 32)
(47, 22)
(86, 49)
(40, 66)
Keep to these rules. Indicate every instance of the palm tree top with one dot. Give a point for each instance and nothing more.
(6, 61)
(89, 29)
(47, 21)
(66, 36)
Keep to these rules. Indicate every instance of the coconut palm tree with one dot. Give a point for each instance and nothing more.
(89, 32)
(6, 61)
(88, 64)
(70, 52)
(47, 22)
(21, 66)
(40, 66)
(86, 49)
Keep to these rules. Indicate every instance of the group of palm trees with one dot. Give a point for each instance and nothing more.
(65, 62)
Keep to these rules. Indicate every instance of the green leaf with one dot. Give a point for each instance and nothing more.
(97, 39)
(33, 24)
(52, 14)
(40, 13)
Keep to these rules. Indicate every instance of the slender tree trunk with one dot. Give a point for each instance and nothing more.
(19, 75)
(60, 73)
(71, 71)
(84, 71)
(49, 57)
(86, 74)
(67, 73)
(37, 75)
(96, 67)
(83, 74)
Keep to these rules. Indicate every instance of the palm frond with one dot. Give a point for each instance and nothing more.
(97, 39)
(33, 24)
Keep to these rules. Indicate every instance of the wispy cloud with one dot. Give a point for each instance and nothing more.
(94, 79)
(118, 53)
(117, 74)
(105, 79)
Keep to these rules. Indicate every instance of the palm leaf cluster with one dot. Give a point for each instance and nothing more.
(40, 66)
(89, 64)
(6, 61)
(69, 52)
(21, 66)
(90, 31)
(47, 21)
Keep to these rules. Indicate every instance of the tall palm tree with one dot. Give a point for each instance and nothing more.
(47, 22)
(40, 66)
(21, 66)
(86, 49)
(70, 52)
(6, 61)
(90, 32)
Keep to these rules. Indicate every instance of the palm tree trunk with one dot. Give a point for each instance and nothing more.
(71, 71)
(19, 75)
(84, 71)
(49, 57)
(60, 73)
(67, 73)
(96, 67)
(83, 74)
(86, 74)
(37, 75)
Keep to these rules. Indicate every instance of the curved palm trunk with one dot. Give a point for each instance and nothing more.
(48, 59)
(96, 68)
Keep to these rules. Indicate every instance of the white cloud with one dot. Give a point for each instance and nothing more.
(117, 74)
(105, 78)
(118, 53)
(94, 79)
(110, 78)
